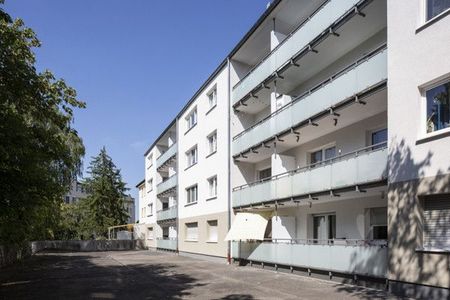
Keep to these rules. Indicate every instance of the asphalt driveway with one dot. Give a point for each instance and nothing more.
(151, 275)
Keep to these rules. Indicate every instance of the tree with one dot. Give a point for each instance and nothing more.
(106, 194)
(40, 151)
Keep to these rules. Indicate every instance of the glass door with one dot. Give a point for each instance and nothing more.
(324, 228)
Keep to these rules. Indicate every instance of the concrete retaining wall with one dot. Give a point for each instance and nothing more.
(83, 246)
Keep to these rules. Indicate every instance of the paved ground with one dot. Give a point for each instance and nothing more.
(150, 275)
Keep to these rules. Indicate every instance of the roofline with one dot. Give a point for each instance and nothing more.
(255, 26)
(224, 62)
(140, 183)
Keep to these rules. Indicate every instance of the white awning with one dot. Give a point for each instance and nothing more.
(248, 226)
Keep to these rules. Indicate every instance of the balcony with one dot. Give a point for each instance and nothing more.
(167, 214)
(167, 185)
(367, 73)
(313, 30)
(166, 158)
(364, 166)
(360, 257)
(166, 244)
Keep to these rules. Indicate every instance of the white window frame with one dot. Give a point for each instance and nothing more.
(322, 148)
(151, 233)
(191, 234)
(211, 181)
(212, 97)
(192, 156)
(212, 144)
(192, 118)
(213, 235)
(425, 13)
(189, 194)
(150, 160)
(422, 130)
(150, 208)
(150, 185)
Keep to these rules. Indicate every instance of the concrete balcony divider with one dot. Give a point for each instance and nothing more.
(317, 23)
(167, 184)
(166, 243)
(167, 214)
(172, 151)
(368, 71)
(366, 165)
(355, 258)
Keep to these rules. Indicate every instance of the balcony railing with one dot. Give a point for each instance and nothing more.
(167, 184)
(364, 73)
(300, 38)
(172, 151)
(167, 214)
(167, 243)
(363, 166)
(344, 256)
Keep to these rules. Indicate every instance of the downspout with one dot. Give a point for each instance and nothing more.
(229, 158)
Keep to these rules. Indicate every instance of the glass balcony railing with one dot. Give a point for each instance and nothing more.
(167, 184)
(309, 30)
(172, 151)
(361, 257)
(363, 166)
(167, 214)
(167, 243)
(368, 71)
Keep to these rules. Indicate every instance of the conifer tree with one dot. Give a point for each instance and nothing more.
(105, 202)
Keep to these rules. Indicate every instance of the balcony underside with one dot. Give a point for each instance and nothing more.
(352, 31)
(171, 192)
(164, 167)
(350, 112)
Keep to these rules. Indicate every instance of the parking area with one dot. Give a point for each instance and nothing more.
(155, 275)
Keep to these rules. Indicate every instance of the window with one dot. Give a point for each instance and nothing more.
(436, 7)
(212, 187)
(438, 107)
(165, 232)
(150, 185)
(323, 154)
(150, 233)
(212, 142)
(143, 212)
(191, 194)
(379, 137)
(192, 156)
(150, 160)
(150, 208)
(212, 231)
(378, 223)
(192, 231)
(324, 228)
(67, 200)
(265, 174)
(212, 98)
(436, 221)
(191, 119)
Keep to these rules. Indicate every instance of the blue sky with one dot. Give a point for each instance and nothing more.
(135, 63)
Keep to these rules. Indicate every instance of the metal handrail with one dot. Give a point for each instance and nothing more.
(368, 149)
(331, 242)
(167, 238)
(318, 86)
(168, 178)
(282, 42)
(171, 146)
(169, 208)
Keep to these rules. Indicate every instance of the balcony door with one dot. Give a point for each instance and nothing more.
(324, 227)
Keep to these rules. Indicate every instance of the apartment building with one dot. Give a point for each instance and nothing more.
(419, 147)
(326, 149)
(76, 192)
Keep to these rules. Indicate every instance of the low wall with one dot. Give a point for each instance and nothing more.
(83, 246)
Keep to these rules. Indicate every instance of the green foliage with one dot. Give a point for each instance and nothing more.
(105, 203)
(39, 151)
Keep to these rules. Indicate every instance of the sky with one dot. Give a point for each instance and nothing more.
(135, 63)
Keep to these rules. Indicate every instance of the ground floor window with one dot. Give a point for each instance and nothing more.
(436, 221)
(378, 223)
(324, 227)
(212, 231)
(165, 232)
(192, 231)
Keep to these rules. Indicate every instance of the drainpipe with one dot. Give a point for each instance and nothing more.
(229, 159)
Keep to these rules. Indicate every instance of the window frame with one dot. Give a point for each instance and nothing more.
(189, 157)
(189, 123)
(209, 226)
(190, 239)
(211, 135)
(189, 194)
(212, 92)
(210, 180)
(425, 12)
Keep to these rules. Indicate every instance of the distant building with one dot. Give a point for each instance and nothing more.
(79, 191)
